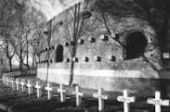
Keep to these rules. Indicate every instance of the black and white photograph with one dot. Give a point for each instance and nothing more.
(84, 55)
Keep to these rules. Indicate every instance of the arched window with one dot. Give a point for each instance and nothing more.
(135, 45)
(59, 53)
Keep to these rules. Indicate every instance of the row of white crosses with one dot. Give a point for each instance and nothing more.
(6, 81)
(19, 84)
(157, 101)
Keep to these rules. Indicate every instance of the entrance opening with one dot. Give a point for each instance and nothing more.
(136, 44)
(59, 53)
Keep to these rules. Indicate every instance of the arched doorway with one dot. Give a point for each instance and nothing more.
(135, 45)
(59, 53)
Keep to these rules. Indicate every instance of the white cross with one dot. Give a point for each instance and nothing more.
(62, 92)
(101, 99)
(157, 101)
(12, 83)
(38, 88)
(78, 96)
(126, 100)
(29, 85)
(49, 90)
(4, 80)
(7, 80)
(22, 85)
(17, 84)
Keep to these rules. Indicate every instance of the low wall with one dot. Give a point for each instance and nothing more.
(18, 73)
(88, 76)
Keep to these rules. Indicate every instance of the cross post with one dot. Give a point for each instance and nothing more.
(17, 84)
(38, 89)
(49, 91)
(8, 81)
(62, 92)
(29, 86)
(157, 101)
(23, 85)
(78, 96)
(12, 84)
(126, 100)
(4, 80)
(101, 99)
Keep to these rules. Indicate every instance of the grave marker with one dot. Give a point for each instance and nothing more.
(49, 91)
(78, 96)
(12, 84)
(157, 101)
(126, 100)
(62, 92)
(5, 80)
(29, 86)
(17, 84)
(38, 89)
(101, 99)
(23, 88)
(8, 81)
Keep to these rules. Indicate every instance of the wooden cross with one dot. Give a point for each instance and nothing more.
(126, 100)
(38, 88)
(17, 84)
(78, 96)
(157, 101)
(22, 85)
(62, 92)
(49, 91)
(101, 99)
(29, 86)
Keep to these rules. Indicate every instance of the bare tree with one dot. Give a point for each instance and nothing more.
(10, 52)
(74, 29)
(35, 43)
(7, 20)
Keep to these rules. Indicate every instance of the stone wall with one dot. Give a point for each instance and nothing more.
(102, 50)
(94, 28)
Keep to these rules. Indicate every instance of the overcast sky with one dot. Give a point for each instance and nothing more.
(50, 8)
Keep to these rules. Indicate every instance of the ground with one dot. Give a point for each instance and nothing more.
(22, 102)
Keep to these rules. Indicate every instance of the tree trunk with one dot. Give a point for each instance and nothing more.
(10, 64)
(71, 73)
(76, 31)
(27, 46)
(21, 62)
(48, 51)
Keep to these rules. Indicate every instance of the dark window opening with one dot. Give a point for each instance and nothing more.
(136, 45)
(59, 53)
